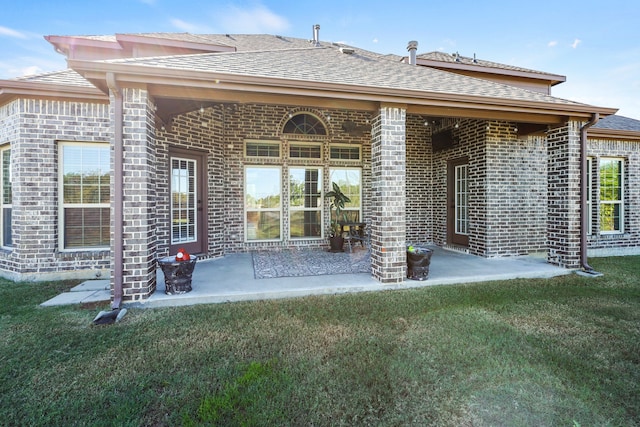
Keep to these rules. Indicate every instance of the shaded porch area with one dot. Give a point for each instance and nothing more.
(232, 278)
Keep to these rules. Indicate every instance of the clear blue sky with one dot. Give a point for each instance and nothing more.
(595, 44)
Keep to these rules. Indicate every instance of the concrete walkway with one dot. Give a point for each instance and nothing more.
(232, 279)
(86, 292)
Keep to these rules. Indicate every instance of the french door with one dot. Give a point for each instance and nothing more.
(187, 207)
(458, 202)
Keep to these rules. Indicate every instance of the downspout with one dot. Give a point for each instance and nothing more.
(118, 226)
(583, 194)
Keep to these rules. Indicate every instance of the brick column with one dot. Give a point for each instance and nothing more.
(388, 174)
(563, 220)
(139, 190)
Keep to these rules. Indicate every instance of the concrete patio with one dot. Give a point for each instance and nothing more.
(232, 279)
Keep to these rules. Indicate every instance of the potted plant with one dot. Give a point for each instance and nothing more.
(338, 199)
(177, 272)
(418, 261)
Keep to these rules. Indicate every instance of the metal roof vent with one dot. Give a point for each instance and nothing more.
(316, 35)
(347, 50)
(412, 47)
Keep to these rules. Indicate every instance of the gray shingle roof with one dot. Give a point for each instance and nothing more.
(616, 122)
(242, 42)
(104, 38)
(328, 65)
(251, 42)
(459, 59)
(65, 77)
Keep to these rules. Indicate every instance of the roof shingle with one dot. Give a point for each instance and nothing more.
(618, 123)
(328, 65)
(459, 59)
(66, 77)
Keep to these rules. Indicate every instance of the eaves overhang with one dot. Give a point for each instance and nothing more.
(11, 89)
(64, 44)
(135, 39)
(214, 86)
(616, 134)
(553, 79)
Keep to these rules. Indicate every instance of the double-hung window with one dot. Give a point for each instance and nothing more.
(350, 182)
(6, 199)
(263, 203)
(305, 202)
(611, 195)
(85, 192)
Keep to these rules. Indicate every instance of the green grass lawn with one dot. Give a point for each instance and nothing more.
(554, 352)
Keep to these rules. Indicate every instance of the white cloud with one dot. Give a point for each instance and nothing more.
(185, 26)
(4, 31)
(375, 40)
(38, 60)
(257, 19)
(32, 70)
(575, 43)
(552, 43)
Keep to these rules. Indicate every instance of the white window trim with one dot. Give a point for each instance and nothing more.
(3, 150)
(280, 209)
(460, 220)
(616, 202)
(302, 144)
(263, 142)
(307, 136)
(360, 213)
(196, 232)
(351, 146)
(62, 205)
(303, 209)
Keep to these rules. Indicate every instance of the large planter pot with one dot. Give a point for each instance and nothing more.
(177, 274)
(336, 243)
(418, 261)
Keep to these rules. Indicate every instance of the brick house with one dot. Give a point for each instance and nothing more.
(225, 143)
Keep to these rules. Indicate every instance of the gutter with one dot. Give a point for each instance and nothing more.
(118, 199)
(586, 268)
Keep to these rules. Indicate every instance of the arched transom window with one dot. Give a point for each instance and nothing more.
(304, 124)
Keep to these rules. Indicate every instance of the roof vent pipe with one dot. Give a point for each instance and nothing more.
(412, 48)
(316, 35)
